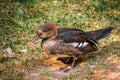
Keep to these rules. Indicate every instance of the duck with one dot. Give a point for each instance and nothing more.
(68, 42)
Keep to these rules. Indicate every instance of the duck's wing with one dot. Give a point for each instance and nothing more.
(85, 41)
(78, 39)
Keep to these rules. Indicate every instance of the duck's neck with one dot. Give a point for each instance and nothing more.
(49, 41)
(51, 38)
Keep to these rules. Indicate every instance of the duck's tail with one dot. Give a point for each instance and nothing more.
(99, 34)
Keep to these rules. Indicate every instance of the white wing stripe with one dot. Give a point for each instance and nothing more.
(84, 44)
(79, 45)
(74, 44)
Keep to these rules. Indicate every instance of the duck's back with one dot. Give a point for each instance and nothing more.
(70, 35)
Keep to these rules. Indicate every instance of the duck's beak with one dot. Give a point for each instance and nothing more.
(36, 38)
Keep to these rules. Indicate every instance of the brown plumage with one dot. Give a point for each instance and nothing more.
(64, 42)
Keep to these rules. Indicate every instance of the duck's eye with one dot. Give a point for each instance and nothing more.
(39, 32)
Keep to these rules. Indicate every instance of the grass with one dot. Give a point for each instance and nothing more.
(20, 18)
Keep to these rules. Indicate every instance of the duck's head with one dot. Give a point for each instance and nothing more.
(45, 31)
